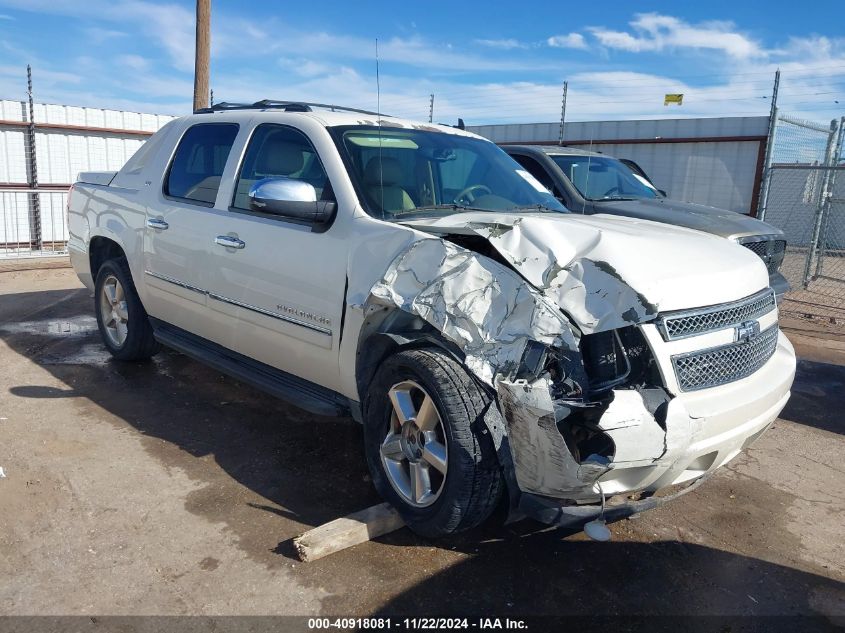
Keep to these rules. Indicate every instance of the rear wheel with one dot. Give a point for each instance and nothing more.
(122, 320)
(426, 443)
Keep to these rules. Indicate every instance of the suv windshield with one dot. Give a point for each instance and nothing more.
(401, 173)
(603, 178)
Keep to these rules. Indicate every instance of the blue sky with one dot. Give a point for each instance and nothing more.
(486, 62)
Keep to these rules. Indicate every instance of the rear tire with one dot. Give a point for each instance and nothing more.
(449, 455)
(123, 323)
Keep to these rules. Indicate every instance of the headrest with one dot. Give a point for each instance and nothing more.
(279, 157)
(390, 174)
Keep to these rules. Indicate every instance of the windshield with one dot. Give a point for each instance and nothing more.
(603, 178)
(404, 173)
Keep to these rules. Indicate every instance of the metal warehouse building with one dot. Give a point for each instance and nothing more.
(66, 140)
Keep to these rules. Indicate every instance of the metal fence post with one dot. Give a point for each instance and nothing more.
(824, 196)
(35, 238)
(562, 112)
(827, 191)
(770, 150)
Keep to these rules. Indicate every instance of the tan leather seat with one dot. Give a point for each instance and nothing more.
(382, 185)
(277, 157)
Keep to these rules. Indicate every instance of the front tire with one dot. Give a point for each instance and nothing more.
(427, 446)
(121, 319)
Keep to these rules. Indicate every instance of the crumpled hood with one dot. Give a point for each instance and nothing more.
(687, 214)
(606, 271)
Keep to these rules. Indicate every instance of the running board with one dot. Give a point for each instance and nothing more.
(298, 391)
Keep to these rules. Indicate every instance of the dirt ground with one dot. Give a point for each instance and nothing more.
(167, 488)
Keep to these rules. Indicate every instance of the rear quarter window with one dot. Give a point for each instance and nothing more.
(199, 161)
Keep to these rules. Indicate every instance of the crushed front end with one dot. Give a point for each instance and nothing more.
(651, 406)
(606, 386)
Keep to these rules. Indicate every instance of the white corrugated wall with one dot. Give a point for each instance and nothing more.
(61, 153)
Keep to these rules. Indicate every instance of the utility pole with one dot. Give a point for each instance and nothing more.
(770, 148)
(431, 109)
(203, 55)
(35, 241)
(562, 113)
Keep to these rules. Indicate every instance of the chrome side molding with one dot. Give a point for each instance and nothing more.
(240, 304)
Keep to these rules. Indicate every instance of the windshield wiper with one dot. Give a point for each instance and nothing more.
(606, 198)
(540, 208)
(452, 206)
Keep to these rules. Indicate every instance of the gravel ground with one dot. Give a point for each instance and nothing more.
(167, 488)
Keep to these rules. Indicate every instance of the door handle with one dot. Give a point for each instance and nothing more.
(157, 223)
(229, 242)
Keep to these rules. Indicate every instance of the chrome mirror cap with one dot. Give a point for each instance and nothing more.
(291, 199)
(268, 190)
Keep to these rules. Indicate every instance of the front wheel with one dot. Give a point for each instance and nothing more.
(428, 449)
(121, 319)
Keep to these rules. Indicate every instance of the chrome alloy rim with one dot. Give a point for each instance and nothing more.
(113, 310)
(414, 453)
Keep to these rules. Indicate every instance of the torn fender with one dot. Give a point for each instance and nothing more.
(593, 293)
(485, 308)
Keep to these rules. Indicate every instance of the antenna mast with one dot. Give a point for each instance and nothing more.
(378, 115)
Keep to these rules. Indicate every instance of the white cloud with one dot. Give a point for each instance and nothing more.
(655, 32)
(411, 51)
(306, 67)
(288, 62)
(571, 40)
(98, 35)
(133, 62)
(171, 26)
(504, 44)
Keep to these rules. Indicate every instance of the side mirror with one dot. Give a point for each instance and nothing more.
(292, 199)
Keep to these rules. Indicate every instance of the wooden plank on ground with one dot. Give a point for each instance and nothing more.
(340, 534)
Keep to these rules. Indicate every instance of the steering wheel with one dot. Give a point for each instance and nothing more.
(469, 195)
(610, 192)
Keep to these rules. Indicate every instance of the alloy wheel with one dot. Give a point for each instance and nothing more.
(414, 452)
(113, 311)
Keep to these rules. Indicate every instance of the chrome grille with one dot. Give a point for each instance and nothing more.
(771, 251)
(721, 365)
(693, 322)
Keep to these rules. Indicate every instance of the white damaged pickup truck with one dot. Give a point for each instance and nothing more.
(496, 349)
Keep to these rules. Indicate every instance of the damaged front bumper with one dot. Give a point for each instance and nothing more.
(554, 513)
(700, 432)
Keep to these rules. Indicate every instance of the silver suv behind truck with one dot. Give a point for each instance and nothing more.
(590, 182)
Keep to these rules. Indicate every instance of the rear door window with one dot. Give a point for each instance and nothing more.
(199, 162)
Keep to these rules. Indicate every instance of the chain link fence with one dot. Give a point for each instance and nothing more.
(24, 235)
(804, 195)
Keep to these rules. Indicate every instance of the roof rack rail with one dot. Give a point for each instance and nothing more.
(287, 106)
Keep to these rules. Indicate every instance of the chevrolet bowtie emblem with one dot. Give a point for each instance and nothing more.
(746, 331)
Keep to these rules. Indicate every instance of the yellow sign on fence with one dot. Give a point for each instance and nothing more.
(673, 98)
